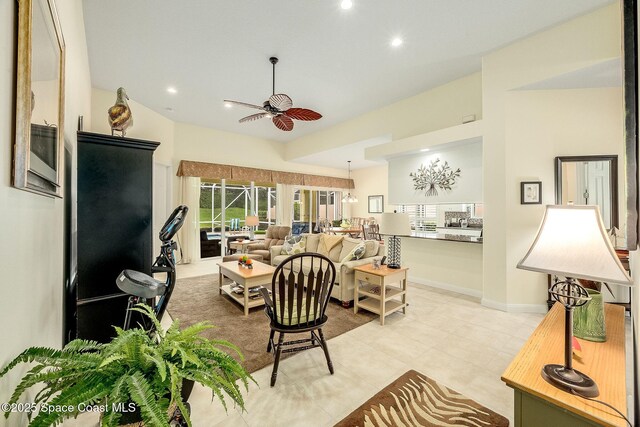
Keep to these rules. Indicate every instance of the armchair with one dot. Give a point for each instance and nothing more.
(275, 235)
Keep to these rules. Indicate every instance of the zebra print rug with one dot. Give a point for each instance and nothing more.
(416, 400)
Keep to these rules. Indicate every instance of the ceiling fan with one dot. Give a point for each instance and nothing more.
(278, 108)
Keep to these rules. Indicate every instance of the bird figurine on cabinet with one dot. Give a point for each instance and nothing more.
(120, 118)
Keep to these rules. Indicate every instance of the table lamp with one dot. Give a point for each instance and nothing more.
(394, 225)
(572, 242)
(251, 221)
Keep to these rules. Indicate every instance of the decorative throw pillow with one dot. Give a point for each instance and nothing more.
(293, 245)
(356, 253)
(372, 247)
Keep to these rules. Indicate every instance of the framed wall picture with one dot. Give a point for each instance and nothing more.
(39, 144)
(376, 204)
(531, 192)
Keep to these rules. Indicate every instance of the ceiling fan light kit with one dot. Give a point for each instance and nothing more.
(278, 108)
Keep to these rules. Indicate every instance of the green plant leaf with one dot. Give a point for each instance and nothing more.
(141, 394)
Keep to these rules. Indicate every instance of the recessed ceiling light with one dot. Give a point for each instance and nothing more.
(172, 90)
(346, 4)
(227, 105)
(424, 150)
(397, 41)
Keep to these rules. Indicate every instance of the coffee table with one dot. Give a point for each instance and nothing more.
(249, 278)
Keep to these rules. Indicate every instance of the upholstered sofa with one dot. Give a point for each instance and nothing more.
(274, 235)
(345, 276)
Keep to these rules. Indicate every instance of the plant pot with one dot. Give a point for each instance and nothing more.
(588, 320)
(134, 419)
(131, 419)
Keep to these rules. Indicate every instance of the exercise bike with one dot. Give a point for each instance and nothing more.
(143, 288)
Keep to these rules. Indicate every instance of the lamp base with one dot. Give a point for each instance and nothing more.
(394, 266)
(570, 380)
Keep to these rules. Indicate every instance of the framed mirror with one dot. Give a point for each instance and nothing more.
(589, 180)
(38, 149)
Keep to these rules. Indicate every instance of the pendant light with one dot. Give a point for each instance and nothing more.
(349, 198)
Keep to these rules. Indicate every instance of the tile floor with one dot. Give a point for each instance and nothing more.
(448, 337)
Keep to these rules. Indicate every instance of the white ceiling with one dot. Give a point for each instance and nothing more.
(337, 62)
(339, 157)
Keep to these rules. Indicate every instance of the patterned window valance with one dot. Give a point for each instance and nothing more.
(262, 176)
(204, 170)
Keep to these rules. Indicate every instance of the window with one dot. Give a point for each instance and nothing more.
(309, 206)
(238, 196)
(421, 217)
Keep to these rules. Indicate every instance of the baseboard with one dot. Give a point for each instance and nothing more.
(515, 308)
(511, 308)
(446, 286)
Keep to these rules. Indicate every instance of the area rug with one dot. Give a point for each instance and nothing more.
(416, 400)
(196, 299)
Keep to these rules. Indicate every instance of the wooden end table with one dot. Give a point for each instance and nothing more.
(385, 290)
(241, 247)
(249, 278)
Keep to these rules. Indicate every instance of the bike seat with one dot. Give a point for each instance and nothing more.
(139, 284)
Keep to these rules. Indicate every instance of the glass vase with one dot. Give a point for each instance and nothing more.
(588, 320)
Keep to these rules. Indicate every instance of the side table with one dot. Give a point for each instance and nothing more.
(240, 246)
(385, 290)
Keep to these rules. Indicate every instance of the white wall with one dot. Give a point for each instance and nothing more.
(438, 108)
(31, 226)
(541, 125)
(467, 187)
(456, 266)
(216, 146)
(370, 182)
(524, 131)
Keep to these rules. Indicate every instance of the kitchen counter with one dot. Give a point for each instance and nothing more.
(445, 236)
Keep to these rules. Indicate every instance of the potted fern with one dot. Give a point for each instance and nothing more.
(135, 370)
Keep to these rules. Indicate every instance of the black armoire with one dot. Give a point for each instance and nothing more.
(114, 219)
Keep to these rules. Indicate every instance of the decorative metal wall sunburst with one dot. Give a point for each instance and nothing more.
(435, 176)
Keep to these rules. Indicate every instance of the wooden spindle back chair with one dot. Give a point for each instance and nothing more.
(300, 287)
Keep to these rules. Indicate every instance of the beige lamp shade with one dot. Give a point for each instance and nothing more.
(395, 224)
(572, 242)
(251, 221)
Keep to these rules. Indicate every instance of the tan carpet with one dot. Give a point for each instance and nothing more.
(417, 400)
(196, 299)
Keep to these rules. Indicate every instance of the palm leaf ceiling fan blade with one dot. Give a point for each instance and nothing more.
(283, 122)
(280, 101)
(253, 117)
(244, 104)
(303, 114)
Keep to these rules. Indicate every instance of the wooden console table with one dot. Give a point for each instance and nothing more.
(538, 403)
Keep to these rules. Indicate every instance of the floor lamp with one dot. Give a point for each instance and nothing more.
(394, 225)
(573, 243)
